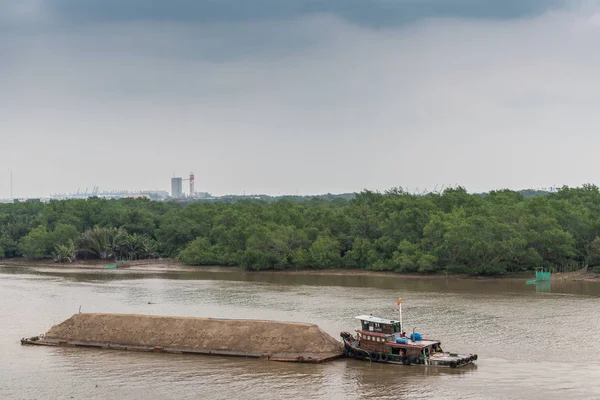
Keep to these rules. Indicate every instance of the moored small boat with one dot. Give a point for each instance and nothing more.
(384, 340)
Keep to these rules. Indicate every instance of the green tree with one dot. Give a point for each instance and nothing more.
(200, 252)
(37, 244)
(325, 253)
(100, 242)
(63, 234)
(64, 252)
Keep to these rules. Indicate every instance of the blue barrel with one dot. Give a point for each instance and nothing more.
(402, 340)
(415, 336)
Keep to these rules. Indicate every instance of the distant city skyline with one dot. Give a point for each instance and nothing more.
(185, 190)
(297, 97)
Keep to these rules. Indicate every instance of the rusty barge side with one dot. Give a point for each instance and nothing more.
(271, 340)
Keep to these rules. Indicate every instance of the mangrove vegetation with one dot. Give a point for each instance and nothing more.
(451, 232)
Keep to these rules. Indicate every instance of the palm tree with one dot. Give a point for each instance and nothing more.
(137, 246)
(64, 252)
(101, 242)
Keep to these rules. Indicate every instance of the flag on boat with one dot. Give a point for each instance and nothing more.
(399, 301)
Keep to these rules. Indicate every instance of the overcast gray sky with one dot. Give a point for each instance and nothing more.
(272, 96)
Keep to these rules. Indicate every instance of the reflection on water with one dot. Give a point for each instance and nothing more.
(533, 342)
(543, 287)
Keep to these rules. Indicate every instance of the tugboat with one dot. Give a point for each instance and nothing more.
(384, 340)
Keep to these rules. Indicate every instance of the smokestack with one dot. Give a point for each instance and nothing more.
(192, 190)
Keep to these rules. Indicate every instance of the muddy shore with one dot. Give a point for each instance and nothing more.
(169, 265)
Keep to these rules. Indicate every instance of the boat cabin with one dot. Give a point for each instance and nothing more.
(380, 325)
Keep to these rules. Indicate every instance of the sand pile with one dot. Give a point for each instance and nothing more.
(285, 340)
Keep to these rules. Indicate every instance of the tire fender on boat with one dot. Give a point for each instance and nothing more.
(373, 356)
(383, 357)
(452, 364)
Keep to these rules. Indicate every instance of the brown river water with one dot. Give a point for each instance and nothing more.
(533, 342)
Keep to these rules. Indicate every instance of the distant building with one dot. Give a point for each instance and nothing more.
(176, 187)
(202, 195)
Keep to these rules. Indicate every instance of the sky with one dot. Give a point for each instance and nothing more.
(298, 96)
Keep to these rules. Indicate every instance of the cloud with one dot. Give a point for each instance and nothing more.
(309, 103)
(375, 13)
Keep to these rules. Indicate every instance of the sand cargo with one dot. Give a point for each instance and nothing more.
(273, 340)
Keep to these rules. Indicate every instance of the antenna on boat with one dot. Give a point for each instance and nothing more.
(79, 309)
(400, 313)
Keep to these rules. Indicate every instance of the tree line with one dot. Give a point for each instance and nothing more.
(451, 232)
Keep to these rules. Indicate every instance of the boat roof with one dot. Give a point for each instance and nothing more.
(377, 320)
(422, 343)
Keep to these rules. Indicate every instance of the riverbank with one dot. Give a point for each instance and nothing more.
(169, 265)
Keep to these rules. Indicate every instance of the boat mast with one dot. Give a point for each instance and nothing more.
(400, 314)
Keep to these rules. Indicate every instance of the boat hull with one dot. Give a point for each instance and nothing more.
(443, 360)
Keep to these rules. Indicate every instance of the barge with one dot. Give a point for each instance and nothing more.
(384, 340)
(272, 340)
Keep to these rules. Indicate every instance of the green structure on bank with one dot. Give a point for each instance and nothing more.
(540, 276)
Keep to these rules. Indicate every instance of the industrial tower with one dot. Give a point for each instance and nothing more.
(177, 186)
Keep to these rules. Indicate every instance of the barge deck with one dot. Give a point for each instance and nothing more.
(271, 340)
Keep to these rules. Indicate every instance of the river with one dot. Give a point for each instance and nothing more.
(533, 342)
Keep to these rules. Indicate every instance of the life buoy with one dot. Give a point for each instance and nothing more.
(383, 357)
(373, 356)
(452, 364)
